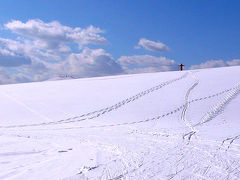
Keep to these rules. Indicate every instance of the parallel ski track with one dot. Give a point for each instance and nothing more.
(217, 108)
(128, 123)
(142, 121)
(100, 112)
(214, 111)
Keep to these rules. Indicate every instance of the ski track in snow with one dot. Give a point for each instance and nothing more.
(136, 154)
(184, 111)
(215, 168)
(26, 107)
(142, 121)
(216, 109)
(101, 111)
(135, 122)
(178, 159)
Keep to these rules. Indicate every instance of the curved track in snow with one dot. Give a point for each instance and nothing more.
(100, 112)
(183, 115)
(146, 120)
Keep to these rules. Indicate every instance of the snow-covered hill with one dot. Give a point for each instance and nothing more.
(170, 125)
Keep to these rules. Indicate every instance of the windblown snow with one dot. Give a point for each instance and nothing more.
(168, 125)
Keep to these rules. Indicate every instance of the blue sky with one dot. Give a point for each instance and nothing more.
(195, 32)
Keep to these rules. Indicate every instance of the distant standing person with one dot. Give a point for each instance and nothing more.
(181, 66)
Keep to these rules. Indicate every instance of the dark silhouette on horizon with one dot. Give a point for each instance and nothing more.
(181, 66)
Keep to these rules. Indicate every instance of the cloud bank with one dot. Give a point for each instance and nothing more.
(146, 63)
(45, 50)
(216, 63)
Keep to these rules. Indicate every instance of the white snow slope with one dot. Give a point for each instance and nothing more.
(170, 125)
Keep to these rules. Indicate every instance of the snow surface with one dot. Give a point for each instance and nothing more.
(169, 125)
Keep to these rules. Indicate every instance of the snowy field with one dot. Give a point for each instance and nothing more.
(169, 125)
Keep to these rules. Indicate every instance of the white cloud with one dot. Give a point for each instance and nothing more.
(146, 63)
(53, 35)
(27, 49)
(11, 58)
(40, 41)
(216, 63)
(91, 63)
(234, 62)
(44, 50)
(88, 63)
(6, 78)
(151, 45)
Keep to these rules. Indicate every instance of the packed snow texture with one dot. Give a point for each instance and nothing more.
(168, 125)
